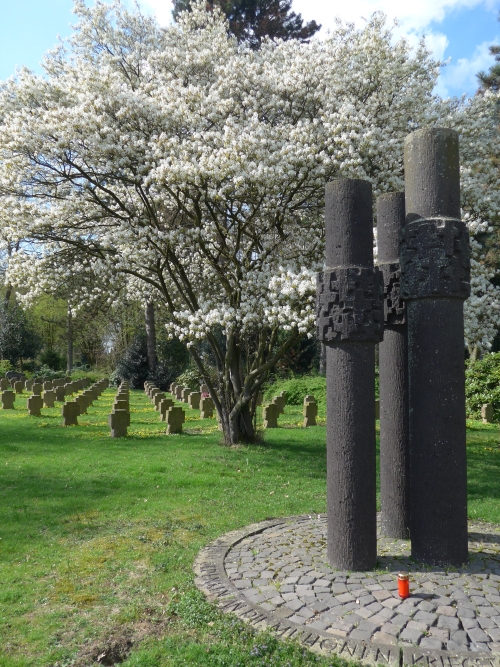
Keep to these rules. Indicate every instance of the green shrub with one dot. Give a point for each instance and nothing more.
(46, 371)
(5, 367)
(298, 387)
(482, 385)
(190, 378)
(53, 360)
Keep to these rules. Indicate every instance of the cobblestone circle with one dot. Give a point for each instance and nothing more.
(282, 570)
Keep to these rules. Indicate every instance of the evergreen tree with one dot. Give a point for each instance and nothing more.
(490, 80)
(252, 20)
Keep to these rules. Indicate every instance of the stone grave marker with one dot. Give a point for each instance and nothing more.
(280, 401)
(60, 393)
(173, 387)
(206, 407)
(8, 398)
(158, 399)
(121, 404)
(35, 404)
(175, 418)
(10, 375)
(12, 382)
(194, 400)
(70, 413)
(178, 392)
(37, 389)
(270, 415)
(82, 404)
(49, 398)
(487, 413)
(48, 385)
(118, 422)
(165, 405)
(28, 385)
(185, 394)
(310, 411)
(18, 387)
(204, 389)
(4, 384)
(89, 396)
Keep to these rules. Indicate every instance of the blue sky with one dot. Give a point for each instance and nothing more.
(458, 29)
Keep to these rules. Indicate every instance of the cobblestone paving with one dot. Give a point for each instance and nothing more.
(284, 570)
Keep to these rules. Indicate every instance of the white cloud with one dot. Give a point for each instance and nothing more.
(162, 9)
(462, 75)
(413, 16)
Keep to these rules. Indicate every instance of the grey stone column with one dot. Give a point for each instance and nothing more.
(350, 323)
(393, 374)
(435, 269)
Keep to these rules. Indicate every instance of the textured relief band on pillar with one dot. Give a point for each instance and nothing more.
(435, 259)
(394, 305)
(349, 305)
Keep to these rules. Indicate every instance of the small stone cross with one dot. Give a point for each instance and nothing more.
(35, 404)
(49, 398)
(194, 400)
(270, 415)
(118, 422)
(70, 413)
(175, 418)
(207, 408)
(487, 413)
(8, 398)
(310, 411)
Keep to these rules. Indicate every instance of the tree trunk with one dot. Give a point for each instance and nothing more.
(474, 352)
(69, 353)
(238, 427)
(6, 299)
(151, 335)
(235, 391)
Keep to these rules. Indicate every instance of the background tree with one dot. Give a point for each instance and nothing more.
(189, 168)
(250, 21)
(490, 80)
(19, 340)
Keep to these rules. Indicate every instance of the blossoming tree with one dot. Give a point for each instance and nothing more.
(194, 168)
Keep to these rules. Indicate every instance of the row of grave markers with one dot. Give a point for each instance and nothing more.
(52, 390)
(174, 416)
(273, 410)
(197, 400)
(119, 419)
(73, 409)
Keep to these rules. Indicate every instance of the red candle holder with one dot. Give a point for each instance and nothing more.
(404, 585)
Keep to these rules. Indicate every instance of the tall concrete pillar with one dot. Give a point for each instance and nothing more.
(435, 269)
(393, 374)
(350, 324)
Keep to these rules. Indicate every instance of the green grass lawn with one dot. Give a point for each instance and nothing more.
(98, 536)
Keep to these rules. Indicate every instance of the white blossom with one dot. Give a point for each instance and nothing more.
(194, 167)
